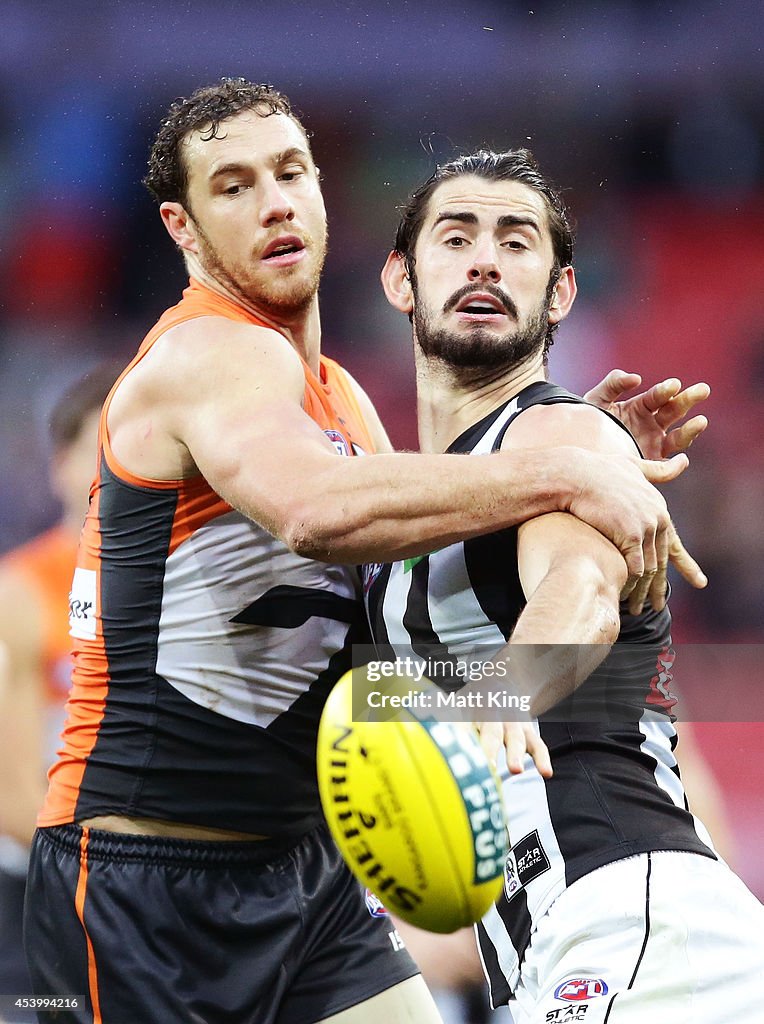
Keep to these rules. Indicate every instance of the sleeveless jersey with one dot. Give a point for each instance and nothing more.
(616, 789)
(204, 648)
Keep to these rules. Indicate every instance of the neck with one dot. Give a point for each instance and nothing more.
(451, 399)
(302, 329)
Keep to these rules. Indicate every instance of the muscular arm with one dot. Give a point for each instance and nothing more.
(224, 399)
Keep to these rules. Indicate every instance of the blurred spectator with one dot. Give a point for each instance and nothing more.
(34, 654)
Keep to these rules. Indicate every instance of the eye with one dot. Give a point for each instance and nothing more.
(291, 174)
(455, 242)
(516, 245)
(233, 190)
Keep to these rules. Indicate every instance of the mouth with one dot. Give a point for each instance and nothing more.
(284, 251)
(481, 306)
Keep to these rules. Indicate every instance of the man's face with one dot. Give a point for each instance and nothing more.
(482, 284)
(257, 210)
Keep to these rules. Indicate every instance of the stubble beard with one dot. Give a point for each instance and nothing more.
(284, 299)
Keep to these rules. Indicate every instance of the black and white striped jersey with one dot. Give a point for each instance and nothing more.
(616, 789)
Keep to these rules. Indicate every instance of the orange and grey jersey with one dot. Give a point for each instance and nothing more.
(204, 648)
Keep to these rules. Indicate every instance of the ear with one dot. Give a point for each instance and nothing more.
(563, 296)
(395, 281)
(180, 226)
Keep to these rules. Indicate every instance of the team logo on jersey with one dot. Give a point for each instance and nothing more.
(369, 572)
(339, 442)
(660, 694)
(576, 990)
(374, 905)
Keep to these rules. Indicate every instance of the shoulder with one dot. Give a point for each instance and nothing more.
(208, 359)
(568, 423)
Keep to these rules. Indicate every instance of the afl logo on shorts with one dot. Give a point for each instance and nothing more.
(339, 442)
(576, 990)
(374, 905)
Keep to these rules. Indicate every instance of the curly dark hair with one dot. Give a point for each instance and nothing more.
(512, 165)
(207, 108)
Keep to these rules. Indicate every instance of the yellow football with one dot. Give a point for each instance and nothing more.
(413, 805)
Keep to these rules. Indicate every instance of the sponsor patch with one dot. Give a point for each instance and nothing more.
(339, 442)
(374, 905)
(82, 601)
(576, 990)
(526, 860)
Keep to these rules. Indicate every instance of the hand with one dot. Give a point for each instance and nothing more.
(519, 738)
(652, 415)
(614, 497)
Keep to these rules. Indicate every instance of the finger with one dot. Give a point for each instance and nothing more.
(660, 472)
(490, 739)
(640, 591)
(659, 586)
(678, 407)
(684, 563)
(680, 439)
(539, 752)
(612, 387)
(661, 394)
(514, 741)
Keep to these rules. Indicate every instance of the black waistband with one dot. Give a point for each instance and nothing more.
(121, 847)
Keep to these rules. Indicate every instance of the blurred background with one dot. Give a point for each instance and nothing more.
(649, 114)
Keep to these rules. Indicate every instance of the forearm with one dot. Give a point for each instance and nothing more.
(400, 505)
(565, 631)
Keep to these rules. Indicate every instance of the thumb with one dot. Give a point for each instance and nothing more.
(617, 383)
(661, 471)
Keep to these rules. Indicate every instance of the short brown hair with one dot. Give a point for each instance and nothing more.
(208, 107)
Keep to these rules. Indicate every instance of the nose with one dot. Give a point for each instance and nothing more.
(484, 266)
(276, 205)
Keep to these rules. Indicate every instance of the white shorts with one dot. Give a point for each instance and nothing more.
(659, 938)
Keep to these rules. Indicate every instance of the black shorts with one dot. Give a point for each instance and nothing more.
(169, 931)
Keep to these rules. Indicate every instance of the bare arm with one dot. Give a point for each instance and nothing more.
(572, 578)
(224, 399)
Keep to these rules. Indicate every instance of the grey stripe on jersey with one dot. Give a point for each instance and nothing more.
(250, 673)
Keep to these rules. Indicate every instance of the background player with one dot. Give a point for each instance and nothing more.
(206, 640)
(34, 637)
(604, 914)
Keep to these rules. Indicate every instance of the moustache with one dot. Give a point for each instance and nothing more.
(486, 289)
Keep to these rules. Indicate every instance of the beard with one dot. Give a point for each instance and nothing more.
(480, 349)
(289, 296)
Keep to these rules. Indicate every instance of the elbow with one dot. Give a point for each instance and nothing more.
(308, 539)
(321, 535)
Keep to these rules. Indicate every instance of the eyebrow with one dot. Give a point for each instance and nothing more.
(507, 220)
(279, 158)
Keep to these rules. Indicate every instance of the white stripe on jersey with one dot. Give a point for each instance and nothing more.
(658, 732)
(486, 442)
